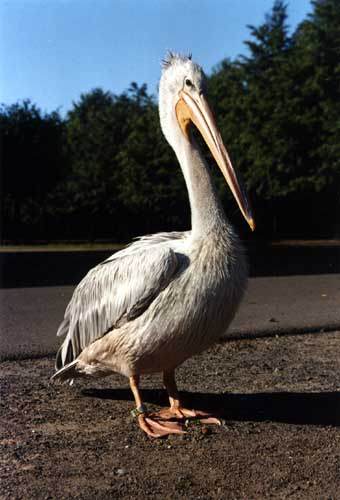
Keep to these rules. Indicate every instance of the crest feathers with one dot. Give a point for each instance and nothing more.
(171, 57)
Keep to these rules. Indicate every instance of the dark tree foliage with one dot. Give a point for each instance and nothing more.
(122, 178)
(316, 180)
(275, 106)
(317, 43)
(32, 165)
(150, 181)
(106, 171)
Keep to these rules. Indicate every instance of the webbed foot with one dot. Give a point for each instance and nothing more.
(177, 411)
(157, 427)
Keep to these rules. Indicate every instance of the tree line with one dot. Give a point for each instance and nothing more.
(105, 170)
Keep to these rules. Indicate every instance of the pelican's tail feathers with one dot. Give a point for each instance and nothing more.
(63, 328)
(66, 373)
(65, 354)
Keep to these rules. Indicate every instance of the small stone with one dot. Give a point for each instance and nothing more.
(205, 430)
(120, 472)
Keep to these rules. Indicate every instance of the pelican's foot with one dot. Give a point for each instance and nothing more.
(156, 427)
(183, 413)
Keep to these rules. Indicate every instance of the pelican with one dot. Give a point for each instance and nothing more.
(167, 296)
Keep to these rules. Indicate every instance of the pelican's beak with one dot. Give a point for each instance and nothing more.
(197, 110)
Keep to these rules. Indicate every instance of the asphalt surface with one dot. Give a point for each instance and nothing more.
(29, 317)
(27, 268)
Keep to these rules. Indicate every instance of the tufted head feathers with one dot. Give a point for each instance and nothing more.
(172, 58)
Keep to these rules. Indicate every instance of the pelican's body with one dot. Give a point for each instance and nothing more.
(195, 308)
(168, 296)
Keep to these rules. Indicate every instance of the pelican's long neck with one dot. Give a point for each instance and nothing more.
(207, 213)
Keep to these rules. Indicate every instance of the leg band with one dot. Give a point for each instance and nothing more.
(139, 411)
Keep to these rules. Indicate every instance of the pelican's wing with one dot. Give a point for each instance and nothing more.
(114, 292)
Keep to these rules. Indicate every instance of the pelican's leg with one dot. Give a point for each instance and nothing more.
(176, 409)
(151, 424)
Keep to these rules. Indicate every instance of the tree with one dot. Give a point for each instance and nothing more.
(317, 59)
(32, 161)
(269, 108)
(318, 51)
(120, 164)
(253, 98)
(151, 185)
(280, 114)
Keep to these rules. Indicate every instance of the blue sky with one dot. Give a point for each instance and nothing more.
(53, 50)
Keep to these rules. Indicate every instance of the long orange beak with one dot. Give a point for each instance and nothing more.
(197, 110)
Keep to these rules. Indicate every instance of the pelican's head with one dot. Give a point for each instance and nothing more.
(179, 74)
(182, 102)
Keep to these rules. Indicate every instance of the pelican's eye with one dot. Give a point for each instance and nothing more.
(188, 82)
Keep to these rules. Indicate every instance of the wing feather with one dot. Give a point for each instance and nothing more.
(116, 291)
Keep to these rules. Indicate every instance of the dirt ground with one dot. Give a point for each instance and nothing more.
(280, 438)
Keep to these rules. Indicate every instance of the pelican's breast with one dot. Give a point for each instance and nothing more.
(193, 312)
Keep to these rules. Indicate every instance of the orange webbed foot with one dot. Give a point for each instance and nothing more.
(156, 427)
(184, 413)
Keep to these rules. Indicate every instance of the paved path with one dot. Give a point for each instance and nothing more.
(29, 317)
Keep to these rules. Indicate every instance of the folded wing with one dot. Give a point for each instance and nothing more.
(116, 291)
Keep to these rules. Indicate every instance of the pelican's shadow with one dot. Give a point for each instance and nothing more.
(301, 408)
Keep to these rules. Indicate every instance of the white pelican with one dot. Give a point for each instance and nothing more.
(168, 296)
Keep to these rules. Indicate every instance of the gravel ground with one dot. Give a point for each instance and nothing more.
(280, 439)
